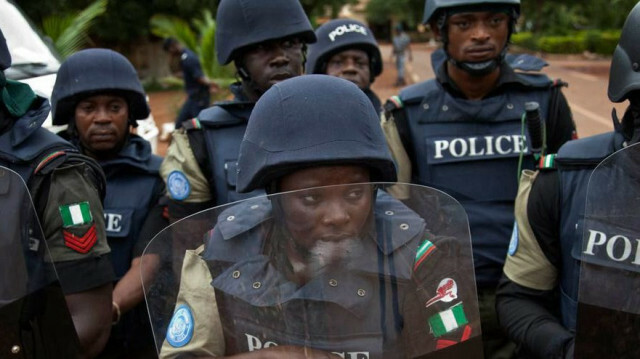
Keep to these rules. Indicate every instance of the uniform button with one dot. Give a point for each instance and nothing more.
(257, 285)
(333, 282)
(362, 292)
(236, 274)
(510, 106)
(404, 226)
(445, 108)
(231, 218)
(255, 206)
(389, 213)
(15, 349)
(425, 106)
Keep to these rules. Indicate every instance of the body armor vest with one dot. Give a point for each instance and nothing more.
(576, 161)
(131, 179)
(470, 150)
(224, 125)
(318, 314)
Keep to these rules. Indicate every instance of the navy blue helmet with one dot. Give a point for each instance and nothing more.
(308, 121)
(340, 35)
(241, 23)
(624, 75)
(94, 71)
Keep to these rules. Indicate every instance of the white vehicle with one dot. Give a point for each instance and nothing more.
(36, 63)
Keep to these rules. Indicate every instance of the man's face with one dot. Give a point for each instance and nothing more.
(351, 65)
(477, 36)
(102, 122)
(273, 61)
(326, 224)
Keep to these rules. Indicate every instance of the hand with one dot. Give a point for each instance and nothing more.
(213, 88)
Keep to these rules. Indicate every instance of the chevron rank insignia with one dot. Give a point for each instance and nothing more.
(81, 244)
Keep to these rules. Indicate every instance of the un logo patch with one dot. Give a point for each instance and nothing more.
(179, 186)
(180, 328)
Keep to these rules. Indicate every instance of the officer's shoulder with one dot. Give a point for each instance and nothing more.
(589, 149)
(225, 113)
(405, 224)
(527, 69)
(410, 95)
(234, 234)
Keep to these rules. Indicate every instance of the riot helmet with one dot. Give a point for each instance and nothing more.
(93, 71)
(624, 75)
(340, 35)
(5, 56)
(310, 121)
(241, 23)
(437, 12)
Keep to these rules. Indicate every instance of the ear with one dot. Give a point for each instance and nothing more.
(436, 31)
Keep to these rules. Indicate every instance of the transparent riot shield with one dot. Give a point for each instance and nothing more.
(608, 319)
(347, 269)
(34, 319)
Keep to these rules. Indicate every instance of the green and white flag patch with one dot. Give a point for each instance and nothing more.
(448, 320)
(75, 214)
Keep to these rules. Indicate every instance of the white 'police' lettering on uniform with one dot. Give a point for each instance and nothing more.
(113, 222)
(254, 343)
(617, 248)
(472, 147)
(343, 29)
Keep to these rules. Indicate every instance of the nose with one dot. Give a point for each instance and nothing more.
(349, 66)
(481, 32)
(279, 56)
(102, 115)
(335, 213)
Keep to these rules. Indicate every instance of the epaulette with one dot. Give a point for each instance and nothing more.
(48, 159)
(192, 124)
(547, 162)
(393, 103)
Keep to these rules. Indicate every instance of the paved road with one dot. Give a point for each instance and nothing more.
(587, 91)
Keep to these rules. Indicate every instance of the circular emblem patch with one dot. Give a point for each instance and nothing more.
(180, 328)
(179, 186)
(513, 244)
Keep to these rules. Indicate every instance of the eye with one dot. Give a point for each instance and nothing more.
(355, 194)
(462, 24)
(85, 107)
(309, 198)
(497, 20)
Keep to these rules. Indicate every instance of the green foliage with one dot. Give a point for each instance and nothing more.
(562, 44)
(202, 42)
(69, 31)
(596, 41)
(525, 39)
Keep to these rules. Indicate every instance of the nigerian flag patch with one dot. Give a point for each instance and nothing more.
(448, 320)
(75, 214)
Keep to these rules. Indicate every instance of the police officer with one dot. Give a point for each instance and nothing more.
(98, 94)
(67, 189)
(266, 42)
(196, 83)
(538, 294)
(346, 48)
(462, 130)
(303, 268)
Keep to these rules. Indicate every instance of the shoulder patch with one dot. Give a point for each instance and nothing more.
(447, 292)
(547, 162)
(50, 157)
(192, 124)
(80, 243)
(180, 330)
(448, 321)
(513, 244)
(75, 214)
(425, 249)
(178, 185)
